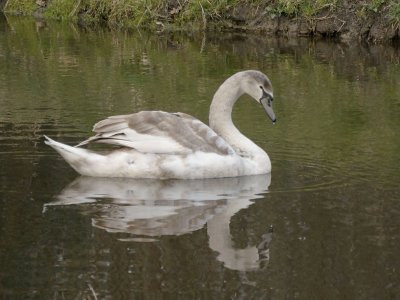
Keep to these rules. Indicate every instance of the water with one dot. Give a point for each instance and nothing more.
(324, 225)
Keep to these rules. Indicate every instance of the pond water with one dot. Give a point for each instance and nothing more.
(325, 224)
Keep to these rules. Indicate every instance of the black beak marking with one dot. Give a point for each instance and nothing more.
(266, 101)
(266, 95)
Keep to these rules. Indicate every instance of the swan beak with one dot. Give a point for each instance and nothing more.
(266, 102)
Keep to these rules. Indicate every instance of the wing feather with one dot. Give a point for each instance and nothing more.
(159, 132)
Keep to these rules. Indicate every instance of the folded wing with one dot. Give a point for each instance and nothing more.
(159, 132)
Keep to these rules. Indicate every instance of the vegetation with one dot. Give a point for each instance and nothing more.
(394, 12)
(305, 8)
(163, 14)
(25, 7)
(62, 10)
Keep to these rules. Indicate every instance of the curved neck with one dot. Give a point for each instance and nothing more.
(220, 118)
(220, 239)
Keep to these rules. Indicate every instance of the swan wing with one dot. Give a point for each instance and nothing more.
(159, 132)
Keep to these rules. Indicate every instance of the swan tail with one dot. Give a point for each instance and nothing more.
(77, 158)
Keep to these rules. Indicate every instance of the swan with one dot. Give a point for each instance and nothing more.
(157, 144)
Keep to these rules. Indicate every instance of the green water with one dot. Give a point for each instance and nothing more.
(325, 224)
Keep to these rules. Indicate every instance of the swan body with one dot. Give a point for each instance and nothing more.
(157, 144)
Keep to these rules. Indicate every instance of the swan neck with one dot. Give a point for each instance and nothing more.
(220, 119)
(222, 104)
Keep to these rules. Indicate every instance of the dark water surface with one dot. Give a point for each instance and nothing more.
(324, 225)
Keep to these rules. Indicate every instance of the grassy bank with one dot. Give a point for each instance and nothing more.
(301, 17)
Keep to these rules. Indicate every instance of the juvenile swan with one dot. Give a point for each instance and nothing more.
(157, 144)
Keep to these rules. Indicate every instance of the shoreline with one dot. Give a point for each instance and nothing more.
(374, 21)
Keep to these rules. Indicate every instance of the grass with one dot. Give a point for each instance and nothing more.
(394, 13)
(374, 5)
(305, 8)
(150, 13)
(125, 13)
(62, 10)
(20, 7)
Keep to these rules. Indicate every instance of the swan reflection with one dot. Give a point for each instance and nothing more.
(149, 208)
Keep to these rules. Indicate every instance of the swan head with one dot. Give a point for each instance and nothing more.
(259, 87)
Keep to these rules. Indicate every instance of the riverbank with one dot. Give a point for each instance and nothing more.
(369, 20)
